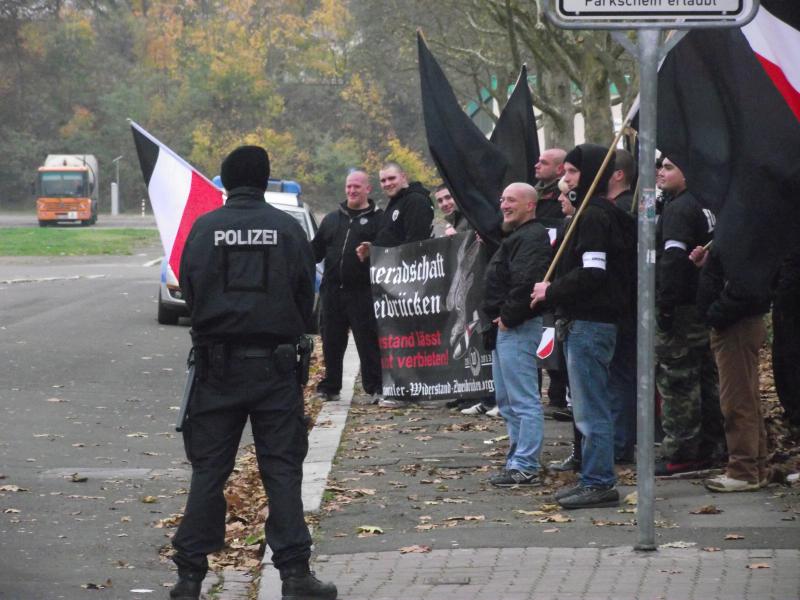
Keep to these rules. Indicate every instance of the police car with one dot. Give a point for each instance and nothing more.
(282, 194)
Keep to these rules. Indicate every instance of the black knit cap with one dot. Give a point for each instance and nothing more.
(588, 158)
(247, 166)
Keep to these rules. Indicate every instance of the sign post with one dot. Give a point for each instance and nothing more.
(648, 17)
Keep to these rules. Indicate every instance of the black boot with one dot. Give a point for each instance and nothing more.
(299, 583)
(187, 588)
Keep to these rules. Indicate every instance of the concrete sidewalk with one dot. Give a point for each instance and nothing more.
(419, 475)
(564, 574)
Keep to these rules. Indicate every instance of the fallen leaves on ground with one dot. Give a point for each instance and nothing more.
(416, 548)
(97, 586)
(712, 549)
(78, 478)
(368, 530)
(12, 488)
(734, 536)
(708, 509)
(678, 544)
(758, 566)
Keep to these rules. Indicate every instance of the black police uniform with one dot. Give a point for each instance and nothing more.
(247, 273)
(346, 295)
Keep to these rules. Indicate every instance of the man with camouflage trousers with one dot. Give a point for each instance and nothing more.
(686, 374)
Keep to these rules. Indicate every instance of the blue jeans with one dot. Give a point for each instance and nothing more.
(622, 387)
(589, 347)
(516, 387)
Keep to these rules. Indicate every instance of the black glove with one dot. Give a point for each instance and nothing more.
(664, 320)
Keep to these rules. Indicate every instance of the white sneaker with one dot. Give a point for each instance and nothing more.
(475, 410)
(493, 412)
(389, 403)
(723, 483)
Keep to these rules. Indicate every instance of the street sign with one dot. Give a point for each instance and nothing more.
(616, 14)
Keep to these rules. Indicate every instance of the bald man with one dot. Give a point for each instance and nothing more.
(550, 211)
(345, 289)
(549, 169)
(521, 260)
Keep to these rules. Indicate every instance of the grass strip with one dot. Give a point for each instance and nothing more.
(73, 241)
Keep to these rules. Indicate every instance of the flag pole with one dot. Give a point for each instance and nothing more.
(635, 199)
(590, 192)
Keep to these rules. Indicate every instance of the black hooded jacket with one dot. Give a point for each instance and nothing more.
(407, 218)
(592, 278)
(340, 232)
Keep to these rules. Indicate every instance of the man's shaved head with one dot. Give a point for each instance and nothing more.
(550, 165)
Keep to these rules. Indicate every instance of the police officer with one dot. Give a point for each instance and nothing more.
(247, 273)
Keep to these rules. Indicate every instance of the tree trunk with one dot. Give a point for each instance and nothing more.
(559, 129)
(596, 104)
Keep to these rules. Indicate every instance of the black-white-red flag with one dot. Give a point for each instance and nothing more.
(729, 116)
(178, 192)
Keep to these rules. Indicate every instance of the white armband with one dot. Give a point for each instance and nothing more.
(594, 260)
(674, 244)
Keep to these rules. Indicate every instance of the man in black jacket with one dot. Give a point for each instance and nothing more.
(408, 218)
(549, 169)
(345, 290)
(247, 273)
(588, 294)
(736, 317)
(686, 374)
(521, 260)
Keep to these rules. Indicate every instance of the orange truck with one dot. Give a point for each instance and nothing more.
(67, 189)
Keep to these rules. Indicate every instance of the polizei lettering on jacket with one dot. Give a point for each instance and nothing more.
(248, 237)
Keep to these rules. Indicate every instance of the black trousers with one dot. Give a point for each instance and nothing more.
(342, 311)
(219, 408)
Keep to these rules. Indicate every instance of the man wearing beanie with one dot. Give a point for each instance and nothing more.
(686, 374)
(588, 296)
(247, 272)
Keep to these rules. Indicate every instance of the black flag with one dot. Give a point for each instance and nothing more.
(725, 118)
(473, 168)
(515, 133)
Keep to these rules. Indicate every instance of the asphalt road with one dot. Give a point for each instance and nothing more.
(21, 219)
(89, 385)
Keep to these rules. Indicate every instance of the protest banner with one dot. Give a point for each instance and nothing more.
(426, 297)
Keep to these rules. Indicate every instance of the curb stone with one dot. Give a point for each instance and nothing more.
(323, 442)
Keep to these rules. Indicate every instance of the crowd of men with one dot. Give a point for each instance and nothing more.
(251, 302)
(707, 334)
